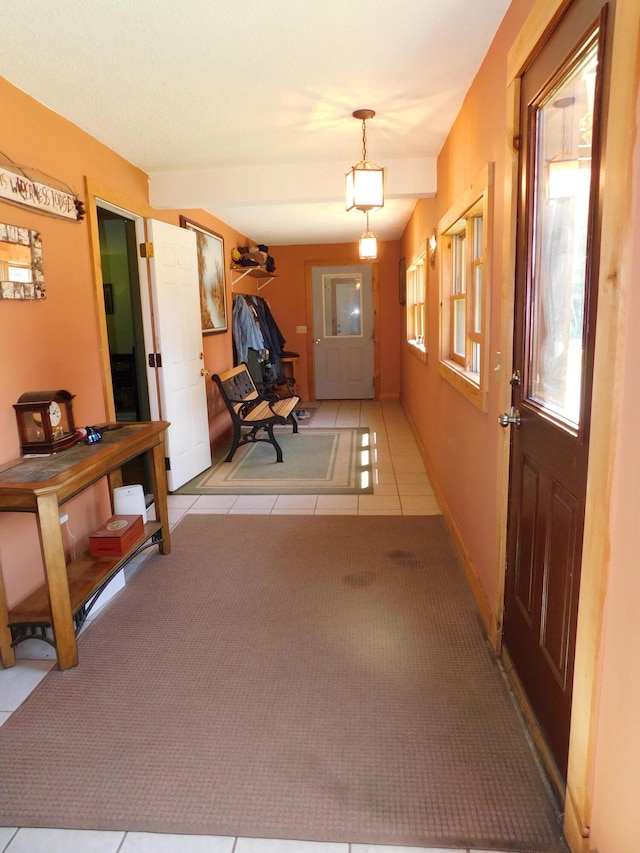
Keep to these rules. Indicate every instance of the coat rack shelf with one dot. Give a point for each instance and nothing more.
(239, 272)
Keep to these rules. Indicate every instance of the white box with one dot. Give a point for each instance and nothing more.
(129, 500)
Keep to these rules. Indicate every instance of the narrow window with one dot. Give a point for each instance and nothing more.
(417, 306)
(464, 336)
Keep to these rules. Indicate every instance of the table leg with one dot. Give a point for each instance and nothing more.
(159, 473)
(7, 653)
(55, 569)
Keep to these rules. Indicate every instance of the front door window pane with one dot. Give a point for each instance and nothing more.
(342, 300)
(563, 124)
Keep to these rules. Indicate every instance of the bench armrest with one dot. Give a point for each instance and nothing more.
(246, 407)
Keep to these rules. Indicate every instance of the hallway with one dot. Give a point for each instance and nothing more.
(401, 487)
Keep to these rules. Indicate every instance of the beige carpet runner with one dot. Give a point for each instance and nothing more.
(310, 677)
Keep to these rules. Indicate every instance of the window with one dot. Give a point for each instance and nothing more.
(466, 279)
(464, 276)
(417, 306)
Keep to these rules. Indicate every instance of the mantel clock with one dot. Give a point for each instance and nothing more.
(45, 421)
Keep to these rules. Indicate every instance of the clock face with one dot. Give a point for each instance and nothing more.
(55, 415)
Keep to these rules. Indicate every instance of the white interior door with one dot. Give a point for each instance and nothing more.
(183, 397)
(343, 332)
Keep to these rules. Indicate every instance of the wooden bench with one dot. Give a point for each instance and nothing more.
(252, 412)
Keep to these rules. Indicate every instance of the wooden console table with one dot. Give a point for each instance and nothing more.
(41, 485)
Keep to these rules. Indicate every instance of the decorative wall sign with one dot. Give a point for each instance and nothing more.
(55, 201)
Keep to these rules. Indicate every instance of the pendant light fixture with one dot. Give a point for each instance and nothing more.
(365, 181)
(368, 245)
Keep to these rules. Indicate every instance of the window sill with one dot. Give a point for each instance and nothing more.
(419, 350)
(465, 383)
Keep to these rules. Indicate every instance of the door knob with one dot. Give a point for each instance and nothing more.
(204, 371)
(510, 419)
(317, 341)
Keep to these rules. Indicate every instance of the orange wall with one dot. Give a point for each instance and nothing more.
(287, 297)
(54, 343)
(461, 441)
(51, 343)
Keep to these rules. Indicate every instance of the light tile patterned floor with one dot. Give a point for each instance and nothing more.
(92, 841)
(401, 484)
(401, 487)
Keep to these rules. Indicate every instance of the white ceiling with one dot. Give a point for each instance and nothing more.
(244, 108)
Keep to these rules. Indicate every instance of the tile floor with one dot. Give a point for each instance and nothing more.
(401, 487)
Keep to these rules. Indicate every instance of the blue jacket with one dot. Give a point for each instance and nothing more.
(246, 332)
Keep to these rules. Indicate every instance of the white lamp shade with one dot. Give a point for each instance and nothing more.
(365, 187)
(368, 246)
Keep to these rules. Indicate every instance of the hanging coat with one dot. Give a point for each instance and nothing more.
(246, 332)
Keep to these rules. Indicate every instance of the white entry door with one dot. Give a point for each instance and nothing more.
(183, 396)
(343, 332)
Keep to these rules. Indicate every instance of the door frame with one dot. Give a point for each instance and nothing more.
(330, 262)
(614, 279)
(100, 196)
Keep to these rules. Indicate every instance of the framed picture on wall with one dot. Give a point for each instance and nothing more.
(213, 291)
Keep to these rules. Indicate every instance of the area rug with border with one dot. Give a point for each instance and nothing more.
(304, 677)
(316, 461)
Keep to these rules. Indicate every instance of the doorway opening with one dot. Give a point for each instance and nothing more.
(125, 331)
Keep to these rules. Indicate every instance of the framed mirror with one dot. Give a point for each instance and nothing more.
(21, 272)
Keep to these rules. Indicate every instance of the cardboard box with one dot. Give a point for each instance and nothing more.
(116, 536)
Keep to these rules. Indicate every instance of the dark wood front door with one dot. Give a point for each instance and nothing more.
(562, 105)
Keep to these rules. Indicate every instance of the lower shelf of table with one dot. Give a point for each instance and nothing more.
(87, 576)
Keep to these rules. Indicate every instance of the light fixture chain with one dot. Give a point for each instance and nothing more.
(364, 141)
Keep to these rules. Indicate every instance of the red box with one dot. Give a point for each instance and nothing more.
(116, 536)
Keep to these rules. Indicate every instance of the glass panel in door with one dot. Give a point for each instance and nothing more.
(563, 127)
(342, 305)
